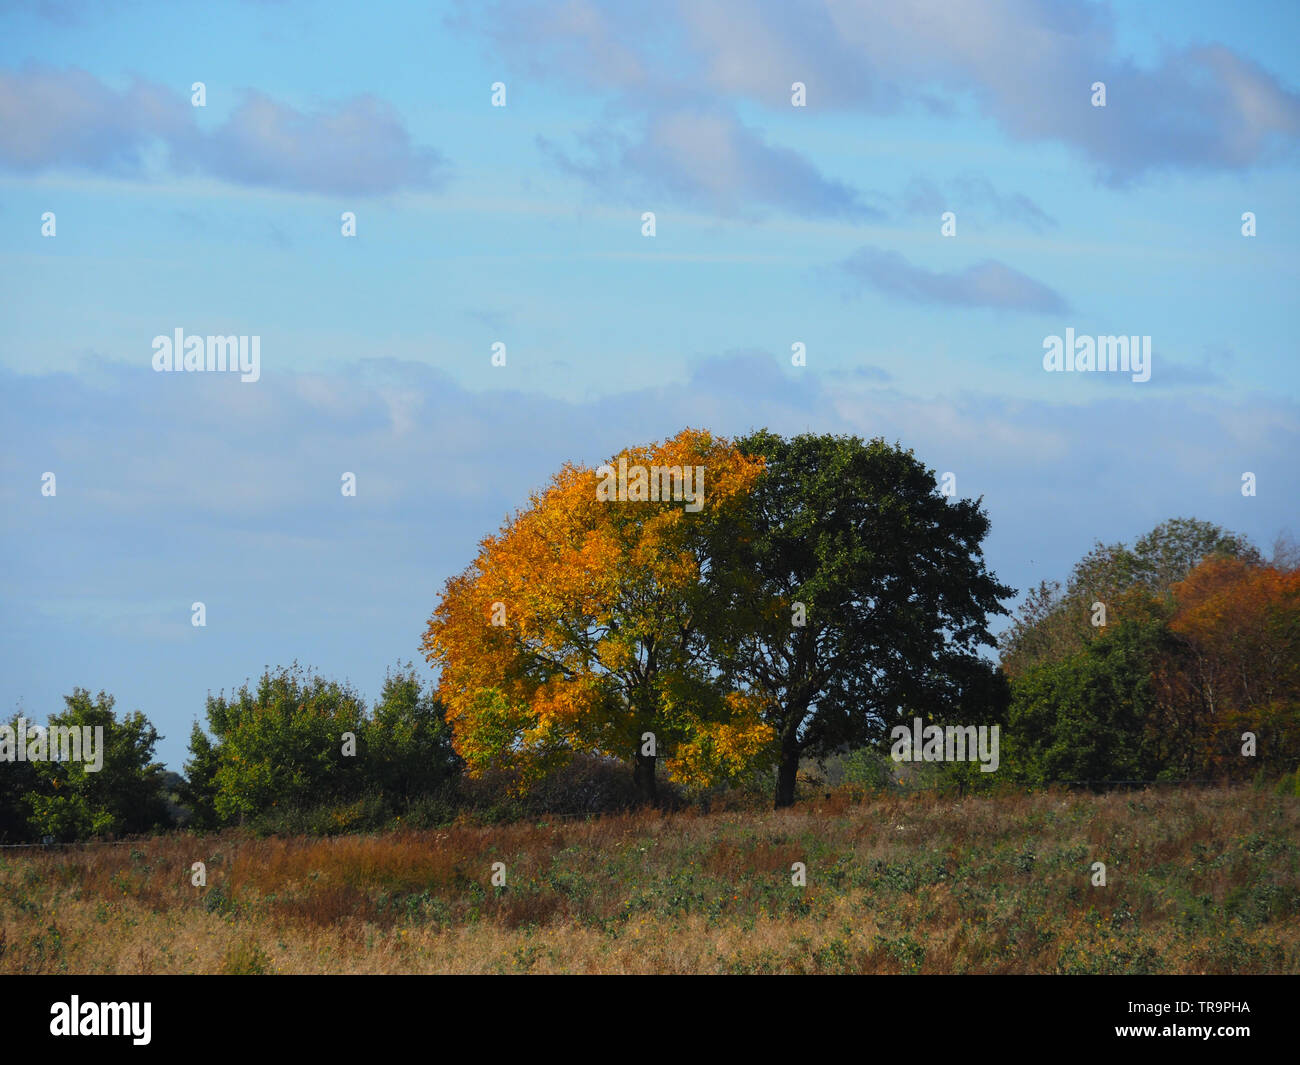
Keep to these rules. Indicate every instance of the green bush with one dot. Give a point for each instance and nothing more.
(73, 800)
(277, 759)
(868, 768)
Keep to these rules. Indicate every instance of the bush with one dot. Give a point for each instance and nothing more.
(1289, 784)
(867, 768)
(72, 800)
(363, 814)
(587, 785)
(277, 759)
(246, 958)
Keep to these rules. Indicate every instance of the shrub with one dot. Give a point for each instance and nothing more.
(246, 958)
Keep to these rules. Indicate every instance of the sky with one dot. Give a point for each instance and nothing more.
(775, 225)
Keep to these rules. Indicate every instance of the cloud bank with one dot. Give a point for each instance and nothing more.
(68, 119)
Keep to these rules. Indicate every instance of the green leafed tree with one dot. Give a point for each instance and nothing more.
(124, 795)
(199, 790)
(282, 743)
(299, 741)
(18, 780)
(852, 596)
(1086, 716)
(408, 740)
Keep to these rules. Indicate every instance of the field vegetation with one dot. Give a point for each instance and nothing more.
(1198, 881)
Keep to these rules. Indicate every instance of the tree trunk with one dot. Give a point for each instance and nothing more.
(644, 778)
(786, 774)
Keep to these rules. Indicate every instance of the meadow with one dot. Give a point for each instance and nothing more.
(1198, 881)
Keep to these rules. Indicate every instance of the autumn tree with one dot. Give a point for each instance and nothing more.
(1200, 644)
(1238, 669)
(580, 626)
(1133, 583)
(853, 595)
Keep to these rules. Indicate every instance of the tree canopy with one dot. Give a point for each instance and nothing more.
(282, 744)
(579, 626)
(856, 597)
(1134, 582)
(823, 590)
(117, 792)
(1192, 672)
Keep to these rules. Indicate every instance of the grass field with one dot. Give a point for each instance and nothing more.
(1198, 881)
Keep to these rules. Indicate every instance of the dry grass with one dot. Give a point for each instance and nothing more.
(1199, 881)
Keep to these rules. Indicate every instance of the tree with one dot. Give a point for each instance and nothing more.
(281, 744)
(578, 628)
(1134, 583)
(1086, 717)
(1170, 551)
(124, 795)
(18, 780)
(1201, 643)
(199, 791)
(1239, 667)
(851, 596)
(408, 740)
(1285, 556)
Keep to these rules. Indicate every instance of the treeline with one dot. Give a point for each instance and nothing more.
(1175, 659)
(300, 752)
(822, 593)
(41, 798)
(829, 592)
(296, 753)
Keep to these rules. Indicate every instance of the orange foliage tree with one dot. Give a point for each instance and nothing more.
(583, 625)
(1239, 666)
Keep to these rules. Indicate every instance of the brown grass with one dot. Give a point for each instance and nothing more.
(1198, 881)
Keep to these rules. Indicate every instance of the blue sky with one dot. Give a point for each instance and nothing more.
(522, 225)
